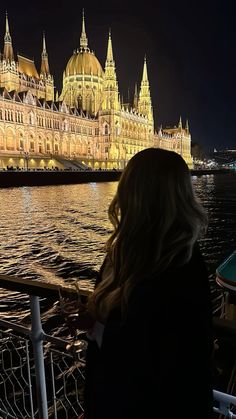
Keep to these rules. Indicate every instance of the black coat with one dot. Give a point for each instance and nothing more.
(157, 364)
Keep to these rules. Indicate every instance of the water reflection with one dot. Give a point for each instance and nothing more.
(61, 230)
(218, 195)
(60, 227)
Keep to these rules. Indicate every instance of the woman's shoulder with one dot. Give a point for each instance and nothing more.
(192, 274)
(196, 268)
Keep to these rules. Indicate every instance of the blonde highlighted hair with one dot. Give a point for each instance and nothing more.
(157, 220)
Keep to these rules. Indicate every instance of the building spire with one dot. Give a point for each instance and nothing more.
(145, 76)
(180, 123)
(44, 59)
(144, 102)
(187, 126)
(110, 62)
(111, 96)
(7, 27)
(8, 50)
(44, 44)
(109, 49)
(83, 38)
(135, 96)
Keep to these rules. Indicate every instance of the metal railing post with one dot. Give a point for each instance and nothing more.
(37, 337)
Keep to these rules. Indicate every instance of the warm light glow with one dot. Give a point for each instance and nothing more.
(100, 129)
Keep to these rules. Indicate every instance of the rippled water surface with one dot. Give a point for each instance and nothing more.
(61, 230)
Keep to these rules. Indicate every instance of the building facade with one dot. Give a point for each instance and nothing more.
(87, 122)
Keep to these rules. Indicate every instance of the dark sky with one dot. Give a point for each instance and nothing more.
(190, 48)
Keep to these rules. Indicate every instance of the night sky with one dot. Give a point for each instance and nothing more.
(190, 48)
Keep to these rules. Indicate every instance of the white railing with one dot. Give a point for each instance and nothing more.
(225, 404)
(26, 388)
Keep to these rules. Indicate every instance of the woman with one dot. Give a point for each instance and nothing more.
(149, 354)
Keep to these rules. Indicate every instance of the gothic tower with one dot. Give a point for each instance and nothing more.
(8, 50)
(111, 95)
(144, 101)
(45, 73)
(8, 65)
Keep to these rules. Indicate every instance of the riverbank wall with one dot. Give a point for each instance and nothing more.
(16, 178)
(43, 178)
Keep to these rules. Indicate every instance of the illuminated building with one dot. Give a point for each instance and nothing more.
(86, 123)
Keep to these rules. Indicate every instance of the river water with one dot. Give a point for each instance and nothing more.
(61, 230)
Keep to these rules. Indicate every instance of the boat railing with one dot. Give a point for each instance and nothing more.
(225, 402)
(39, 378)
(219, 298)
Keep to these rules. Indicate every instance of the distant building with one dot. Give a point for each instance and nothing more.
(88, 122)
(223, 157)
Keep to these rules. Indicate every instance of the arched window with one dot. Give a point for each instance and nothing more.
(56, 148)
(80, 102)
(10, 142)
(117, 129)
(31, 145)
(31, 118)
(106, 131)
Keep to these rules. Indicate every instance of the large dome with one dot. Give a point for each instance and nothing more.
(84, 62)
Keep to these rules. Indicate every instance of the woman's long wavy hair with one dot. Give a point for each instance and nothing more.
(157, 220)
